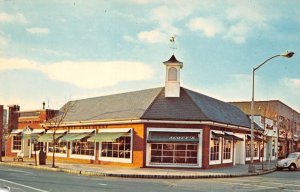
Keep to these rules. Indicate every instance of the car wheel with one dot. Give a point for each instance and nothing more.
(292, 167)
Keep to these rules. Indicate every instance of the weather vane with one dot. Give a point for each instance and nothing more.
(172, 40)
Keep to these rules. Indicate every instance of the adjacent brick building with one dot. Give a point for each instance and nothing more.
(276, 116)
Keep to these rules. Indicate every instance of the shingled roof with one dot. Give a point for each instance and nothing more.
(152, 104)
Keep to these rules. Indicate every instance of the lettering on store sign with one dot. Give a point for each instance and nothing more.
(181, 137)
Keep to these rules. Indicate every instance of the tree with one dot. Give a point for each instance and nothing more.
(54, 121)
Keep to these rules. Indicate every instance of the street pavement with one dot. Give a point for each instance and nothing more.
(33, 180)
(102, 170)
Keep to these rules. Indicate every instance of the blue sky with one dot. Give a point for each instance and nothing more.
(56, 51)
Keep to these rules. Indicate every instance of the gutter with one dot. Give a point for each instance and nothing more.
(81, 123)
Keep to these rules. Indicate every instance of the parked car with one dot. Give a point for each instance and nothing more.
(292, 162)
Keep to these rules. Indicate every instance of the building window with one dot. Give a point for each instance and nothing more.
(172, 74)
(17, 142)
(227, 149)
(255, 148)
(60, 147)
(248, 148)
(174, 153)
(38, 146)
(83, 147)
(119, 149)
(273, 147)
(214, 148)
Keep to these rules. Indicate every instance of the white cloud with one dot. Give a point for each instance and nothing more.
(140, 1)
(10, 18)
(17, 64)
(3, 41)
(85, 74)
(292, 82)
(154, 36)
(238, 32)
(208, 26)
(38, 30)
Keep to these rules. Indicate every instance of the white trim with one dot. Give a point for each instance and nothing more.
(115, 130)
(38, 131)
(50, 154)
(152, 129)
(215, 162)
(89, 157)
(12, 145)
(77, 156)
(16, 131)
(231, 152)
(117, 160)
(81, 130)
(185, 130)
(57, 131)
(126, 121)
(114, 159)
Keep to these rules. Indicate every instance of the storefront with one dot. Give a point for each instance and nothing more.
(178, 147)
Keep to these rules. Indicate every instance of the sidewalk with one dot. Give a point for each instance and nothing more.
(102, 170)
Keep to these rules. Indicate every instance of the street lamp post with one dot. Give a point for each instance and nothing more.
(251, 168)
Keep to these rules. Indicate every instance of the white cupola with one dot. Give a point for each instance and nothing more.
(172, 84)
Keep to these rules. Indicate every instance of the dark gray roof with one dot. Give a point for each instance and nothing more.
(194, 106)
(129, 105)
(152, 104)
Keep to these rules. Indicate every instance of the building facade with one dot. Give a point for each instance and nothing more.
(168, 126)
(24, 127)
(280, 122)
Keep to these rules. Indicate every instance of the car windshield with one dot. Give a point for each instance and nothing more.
(292, 156)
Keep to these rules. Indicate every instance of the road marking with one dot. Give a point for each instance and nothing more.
(243, 184)
(103, 184)
(269, 182)
(19, 171)
(26, 186)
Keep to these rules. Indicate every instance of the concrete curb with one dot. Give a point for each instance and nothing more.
(145, 176)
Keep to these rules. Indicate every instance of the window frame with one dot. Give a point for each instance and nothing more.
(159, 129)
(50, 153)
(13, 143)
(117, 159)
(82, 156)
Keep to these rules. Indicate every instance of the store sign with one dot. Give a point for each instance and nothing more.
(180, 138)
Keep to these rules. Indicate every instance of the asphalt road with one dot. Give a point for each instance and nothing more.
(29, 180)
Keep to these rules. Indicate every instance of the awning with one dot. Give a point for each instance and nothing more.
(106, 137)
(155, 136)
(48, 137)
(216, 134)
(256, 138)
(231, 136)
(15, 132)
(33, 134)
(76, 135)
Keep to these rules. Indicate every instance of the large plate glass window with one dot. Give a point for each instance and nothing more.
(121, 148)
(83, 147)
(174, 153)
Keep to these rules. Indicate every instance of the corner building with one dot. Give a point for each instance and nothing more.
(168, 126)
